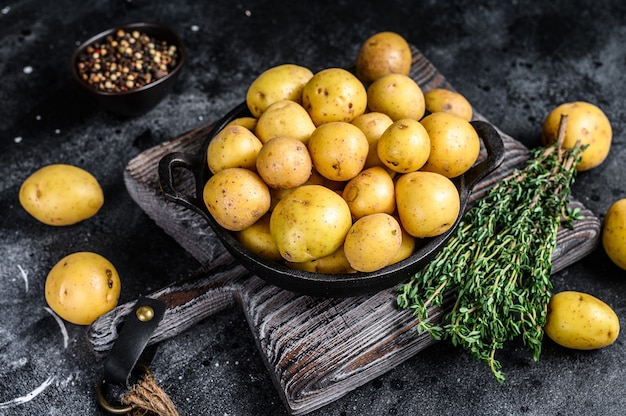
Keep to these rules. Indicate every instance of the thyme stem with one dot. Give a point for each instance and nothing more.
(498, 262)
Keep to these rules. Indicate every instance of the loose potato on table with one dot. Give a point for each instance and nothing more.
(581, 321)
(236, 198)
(398, 96)
(586, 123)
(61, 194)
(454, 144)
(81, 287)
(282, 82)
(614, 233)
(334, 94)
(233, 147)
(381, 54)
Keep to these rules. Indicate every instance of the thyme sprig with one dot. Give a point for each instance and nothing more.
(498, 262)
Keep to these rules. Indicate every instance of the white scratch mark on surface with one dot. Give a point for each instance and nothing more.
(29, 396)
(61, 325)
(24, 274)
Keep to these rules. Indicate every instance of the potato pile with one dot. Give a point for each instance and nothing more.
(336, 172)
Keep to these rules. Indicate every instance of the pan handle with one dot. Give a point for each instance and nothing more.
(167, 166)
(210, 289)
(495, 151)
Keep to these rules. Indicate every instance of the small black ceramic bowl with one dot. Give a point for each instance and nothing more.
(149, 87)
(311, 283)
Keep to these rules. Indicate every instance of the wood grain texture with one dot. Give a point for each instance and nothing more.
(316, 349)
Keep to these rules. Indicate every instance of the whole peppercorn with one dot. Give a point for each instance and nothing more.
(124, 61)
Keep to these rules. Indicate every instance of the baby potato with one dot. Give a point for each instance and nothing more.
(258, 239)
(282, 82)
(396, 95)
(404, 146)
(285, 118)
(334, 94)
(614, 233)
(284, 162)
(334, 263)
(81, 287)
(233, 147)
(428, 203)
(61, 194)
(247, 122)
(581, 321)
(447, 101)
(373, 125)
(406, 248)
(338, 150)
(236, 198)
(309, 223)
(370, 192)
(373, 242)
(454, 144)
(381, 54)
(586, 123)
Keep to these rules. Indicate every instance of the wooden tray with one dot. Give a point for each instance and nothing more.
(315, 349)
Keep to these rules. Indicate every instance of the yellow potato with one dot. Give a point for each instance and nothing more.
(404, 146)
(309, 223)
(396, 95)
(60, 194)
(334, 94)
(586, 123)
(447, 101)
(282, 82)
(233, 147)
(614, 233)
(580, 321)
(247, 122)
(338, 150)
(428, 203)
(334, 263)
(236, 198)
(285, 118)
(373, 242)
(258, 239)
(81, 287)
(454, 144)
(381, 54)
(373, 125)
(370, 192)
(406, 249)
(284, 162)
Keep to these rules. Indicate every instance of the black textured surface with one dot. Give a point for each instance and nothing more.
(514, 61)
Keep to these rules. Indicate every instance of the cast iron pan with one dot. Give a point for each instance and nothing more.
(310, 283)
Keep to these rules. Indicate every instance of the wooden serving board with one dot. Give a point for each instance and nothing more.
(315, 349)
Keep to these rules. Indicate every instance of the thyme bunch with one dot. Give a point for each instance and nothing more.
(499, 260)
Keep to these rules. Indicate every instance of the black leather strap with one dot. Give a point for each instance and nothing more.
(132, 340)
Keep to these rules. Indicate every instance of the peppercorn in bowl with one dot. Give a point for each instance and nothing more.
(128, 70)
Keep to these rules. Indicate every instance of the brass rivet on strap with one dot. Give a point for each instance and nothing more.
(144, 313)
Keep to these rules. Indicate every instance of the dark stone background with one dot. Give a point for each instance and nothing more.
(514, 61)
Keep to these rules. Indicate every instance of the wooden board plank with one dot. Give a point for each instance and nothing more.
(315, 349)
